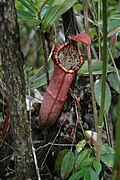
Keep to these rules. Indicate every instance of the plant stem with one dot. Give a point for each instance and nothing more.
(85, 10)
(99, 19)
(116, 172)
(103, 88)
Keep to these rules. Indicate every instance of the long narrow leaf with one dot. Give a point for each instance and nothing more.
(32, 21)
(55, 10)
(44, 3)
(96, 68)
(28, 6)
(25, 14)
(40, 81)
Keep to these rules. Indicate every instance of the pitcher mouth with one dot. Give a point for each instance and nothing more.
(68, 57)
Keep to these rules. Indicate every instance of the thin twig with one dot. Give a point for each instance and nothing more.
(33, 149)
(8, 157)
(38, 73)
(107, 129)
(97, 23)
(90, 73)
(50, 147)
(77, 109)
(45, 51)
(55, 144)
(3, 142)
(90, 66)
(36, 163)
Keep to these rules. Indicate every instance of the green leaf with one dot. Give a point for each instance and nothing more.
(33, 21)
(80, 145)
(67, 164)
(28, 17)
(40, 81)
(106, 149)
(107, 155)
(59, 159)
(77, 175)
(108, 159)
(28, 5)
(97, 166)
(90, 174)
(86, 162)
(112, 24)
(25, 14)
(78, 7)
(97, 89)
(114, 81)
(81, 156)
(96, 68)
(44, 3)
(55, 10)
